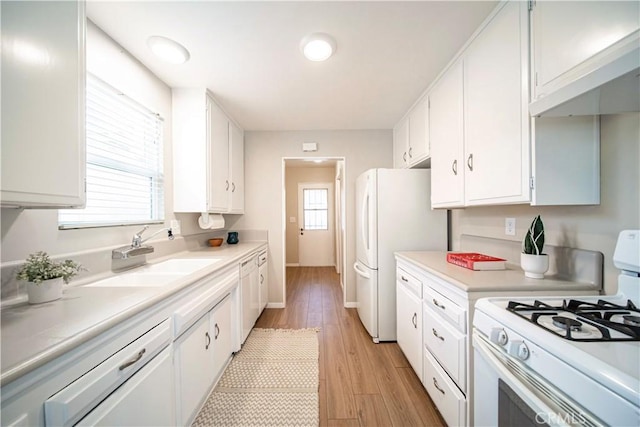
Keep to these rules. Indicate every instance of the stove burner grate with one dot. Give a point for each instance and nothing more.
(597, 315)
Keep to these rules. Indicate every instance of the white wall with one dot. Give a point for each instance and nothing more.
(264, 194)
(586, 227)
(26, 231)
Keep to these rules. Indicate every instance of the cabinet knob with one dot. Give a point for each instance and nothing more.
(454, 167)
(470, 162)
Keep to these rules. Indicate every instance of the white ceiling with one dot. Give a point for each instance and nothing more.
(247, 54)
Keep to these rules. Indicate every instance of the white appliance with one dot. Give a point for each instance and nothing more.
(393, 213)
(553, 361)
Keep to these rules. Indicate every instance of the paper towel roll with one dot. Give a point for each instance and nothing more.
(208, 221)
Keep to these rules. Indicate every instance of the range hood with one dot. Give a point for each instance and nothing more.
(611, 88)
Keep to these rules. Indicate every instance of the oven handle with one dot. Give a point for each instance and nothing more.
(537, 393)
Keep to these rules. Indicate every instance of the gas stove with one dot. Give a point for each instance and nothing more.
(583, 352)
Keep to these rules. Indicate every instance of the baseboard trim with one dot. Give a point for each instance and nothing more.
(351, 304)
(275, 305)
(293, 264)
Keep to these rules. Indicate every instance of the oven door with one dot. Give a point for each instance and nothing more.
(507, 393)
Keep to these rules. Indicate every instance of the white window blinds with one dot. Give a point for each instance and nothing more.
(124, 162)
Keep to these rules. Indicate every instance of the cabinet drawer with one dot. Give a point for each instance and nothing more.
(447, 345)
(412, 284)
(446, 308)
(444, 393)
(72, 402)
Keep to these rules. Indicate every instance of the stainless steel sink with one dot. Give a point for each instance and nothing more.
(160, 274)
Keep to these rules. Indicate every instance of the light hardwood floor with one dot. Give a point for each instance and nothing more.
(361, 383)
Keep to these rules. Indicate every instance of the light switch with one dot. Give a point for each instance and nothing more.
(510, 226)
(292, 219)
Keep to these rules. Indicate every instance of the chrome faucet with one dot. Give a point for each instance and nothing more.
(137, 248)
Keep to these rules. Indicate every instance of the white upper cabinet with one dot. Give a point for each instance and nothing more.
(208, 155)
(43, 98)
(585, 55)
(447, 140)
(411, 137)
(401, 144)
(496, 119)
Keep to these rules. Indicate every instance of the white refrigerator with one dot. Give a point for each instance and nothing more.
(393, 213)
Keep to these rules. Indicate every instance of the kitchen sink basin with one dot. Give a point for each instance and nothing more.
(178, 265)
(137, 279)
(160, 274)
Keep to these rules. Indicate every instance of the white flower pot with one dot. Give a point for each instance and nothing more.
(49, 290)
(534, 266)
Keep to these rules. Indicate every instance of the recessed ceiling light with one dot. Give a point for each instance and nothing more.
(168, 50)
(318, 46)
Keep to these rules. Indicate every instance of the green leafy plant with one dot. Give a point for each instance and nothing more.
(534, 239)
(39, 267)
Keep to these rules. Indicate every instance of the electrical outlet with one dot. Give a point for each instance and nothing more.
(510, 226)
(175, 227)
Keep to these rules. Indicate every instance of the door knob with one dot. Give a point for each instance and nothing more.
(302, 231)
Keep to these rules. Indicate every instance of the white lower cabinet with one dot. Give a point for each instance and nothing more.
(263, 273)
(147, 399)
(249, 295)
(200, 355)
(409, 318)
(450, 401)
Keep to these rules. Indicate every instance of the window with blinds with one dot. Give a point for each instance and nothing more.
(124, 162)
(316, 209)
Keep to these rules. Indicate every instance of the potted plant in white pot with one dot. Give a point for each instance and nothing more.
(532, 260)
(44, 277)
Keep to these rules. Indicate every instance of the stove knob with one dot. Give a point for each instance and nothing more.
(519, 349)
(499, 336)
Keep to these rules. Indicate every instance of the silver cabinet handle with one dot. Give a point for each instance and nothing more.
(454, 167)
(132, 361)
(217, 329)
(226, 188)
(435, 383)
(261, 279)
(470, 162)
(410, 155)
(404, 156)
(435, 334)
(414, 320)
(437, 304)
(206, 346)
(404, 279)
(233, 187)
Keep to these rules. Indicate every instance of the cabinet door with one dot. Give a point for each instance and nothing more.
(409, 326)
(195, 374)
(43, 98)
(146, 399)
(496, 110)
(570, 37)
(221, 329)
(401, 144)
(218, 155)
(236, 145)
(447, 133)
(419, 133)
(264, 286)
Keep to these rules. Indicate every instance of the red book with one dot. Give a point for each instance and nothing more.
(476, 261)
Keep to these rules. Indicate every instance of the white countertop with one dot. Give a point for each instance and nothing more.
(33, 335)
(511, 279)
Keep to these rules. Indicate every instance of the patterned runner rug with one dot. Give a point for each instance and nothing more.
(272, 381)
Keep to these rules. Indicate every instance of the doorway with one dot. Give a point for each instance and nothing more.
(313, 213)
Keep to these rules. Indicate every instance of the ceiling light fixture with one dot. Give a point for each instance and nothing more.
(168, 50)
(318, 46)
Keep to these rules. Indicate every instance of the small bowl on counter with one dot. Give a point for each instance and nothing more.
(216, 242)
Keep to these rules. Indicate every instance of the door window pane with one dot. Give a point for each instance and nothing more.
(316, 205)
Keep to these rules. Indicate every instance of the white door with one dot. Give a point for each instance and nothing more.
(316, 233)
